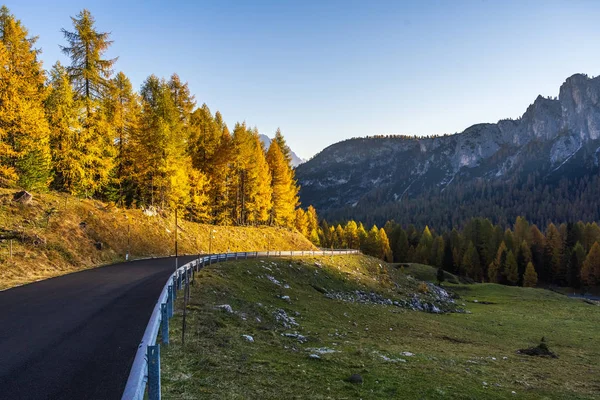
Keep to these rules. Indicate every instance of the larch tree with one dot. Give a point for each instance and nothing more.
(301, 222)
(530, 277)
(68, 154)
(511, 269)
(163, 167)
(221, 187)
(386, 251)
(313, 225)
(122, 106)
(351, 233)
(285, 149)
(372, 243)
(340, 236)
(424, 247)
(554, 267)
(25, 157)
(243, 150)
(259, 192)
(90, 75)
(89, 71)
(285, 190)
(590, 271)
(471, 265)
(523, 256)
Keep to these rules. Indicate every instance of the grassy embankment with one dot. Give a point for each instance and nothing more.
(57, 234)
(459, 356)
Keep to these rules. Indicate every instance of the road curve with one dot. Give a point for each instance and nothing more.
(75, 336)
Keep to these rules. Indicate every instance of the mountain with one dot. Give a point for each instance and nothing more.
(295, 159)
(543, 165)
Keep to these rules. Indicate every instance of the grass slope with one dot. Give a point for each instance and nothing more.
(454, 356)
(57, 234)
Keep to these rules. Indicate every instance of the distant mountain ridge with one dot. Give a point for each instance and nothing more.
(295, 159)
(388, 177)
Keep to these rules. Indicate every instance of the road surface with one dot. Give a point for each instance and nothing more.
(75, 336)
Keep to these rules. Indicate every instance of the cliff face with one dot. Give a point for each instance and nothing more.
(553, 137)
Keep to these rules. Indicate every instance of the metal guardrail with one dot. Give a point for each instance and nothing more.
(148, 352)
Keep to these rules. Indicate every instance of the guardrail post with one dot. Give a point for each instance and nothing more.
(179, 276)
(164, 322)
(154, 372)
(170, 300)
(174, 288)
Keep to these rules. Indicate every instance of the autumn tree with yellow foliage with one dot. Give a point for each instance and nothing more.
(24, 133)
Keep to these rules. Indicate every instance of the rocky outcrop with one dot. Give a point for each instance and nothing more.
(551, 134)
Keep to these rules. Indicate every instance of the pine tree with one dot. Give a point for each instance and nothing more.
(530, 277)
(24, 133)
(437, 252)
(285, 191)
(440, 276)
(401, 247)
(575, 264)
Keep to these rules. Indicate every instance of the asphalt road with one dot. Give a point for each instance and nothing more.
(75, 336)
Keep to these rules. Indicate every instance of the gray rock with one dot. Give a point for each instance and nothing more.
(23, 197)
(355, 379)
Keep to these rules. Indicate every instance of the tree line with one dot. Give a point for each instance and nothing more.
(82, 129)
(563, 255)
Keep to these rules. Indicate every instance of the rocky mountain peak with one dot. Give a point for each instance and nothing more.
(552, 136)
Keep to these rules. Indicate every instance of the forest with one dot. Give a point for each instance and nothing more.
(82, 129)
(563, 255)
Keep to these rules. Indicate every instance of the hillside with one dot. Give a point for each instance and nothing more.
(543, 166)
(311, 324)
(56, 234)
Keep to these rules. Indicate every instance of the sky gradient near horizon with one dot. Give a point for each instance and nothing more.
(325, 71)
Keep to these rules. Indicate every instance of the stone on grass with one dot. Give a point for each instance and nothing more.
(23, 197)
(226, 307)
(355, 378)
(248, 338)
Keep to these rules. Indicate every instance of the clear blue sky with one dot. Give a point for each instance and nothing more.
(328, 70)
